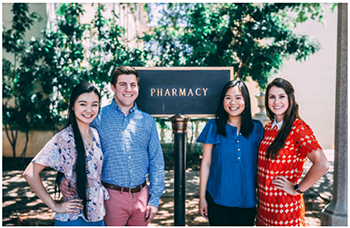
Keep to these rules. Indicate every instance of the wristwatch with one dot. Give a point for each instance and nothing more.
(297, 189)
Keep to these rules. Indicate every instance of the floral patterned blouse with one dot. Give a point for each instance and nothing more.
(60, 154)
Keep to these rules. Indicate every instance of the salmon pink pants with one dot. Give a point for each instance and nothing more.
(125, 209)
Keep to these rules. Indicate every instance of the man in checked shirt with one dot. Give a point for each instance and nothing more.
(131, 149)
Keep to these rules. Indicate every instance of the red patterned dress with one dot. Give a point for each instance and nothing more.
(277, 208)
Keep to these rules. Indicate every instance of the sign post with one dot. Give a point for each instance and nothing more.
(179, 124)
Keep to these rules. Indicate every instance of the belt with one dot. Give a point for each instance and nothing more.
(122, 189)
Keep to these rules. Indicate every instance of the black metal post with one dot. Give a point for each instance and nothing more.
(179, 123)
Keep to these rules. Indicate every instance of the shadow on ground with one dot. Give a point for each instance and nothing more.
(22, 207)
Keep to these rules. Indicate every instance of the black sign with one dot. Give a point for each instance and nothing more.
(181, 90)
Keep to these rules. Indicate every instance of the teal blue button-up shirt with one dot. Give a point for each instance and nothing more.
(233, 169)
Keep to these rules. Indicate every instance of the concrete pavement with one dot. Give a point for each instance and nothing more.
(315, 197)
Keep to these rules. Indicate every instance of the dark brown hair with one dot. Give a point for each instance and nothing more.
(124, 70)
(289, 116)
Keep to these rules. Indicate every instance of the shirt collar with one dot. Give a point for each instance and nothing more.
(114, 105)
(133, 109)
(279, 124)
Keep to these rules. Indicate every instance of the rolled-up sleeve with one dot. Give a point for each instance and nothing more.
(156, 167)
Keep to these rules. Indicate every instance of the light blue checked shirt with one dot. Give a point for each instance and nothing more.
(131, 149)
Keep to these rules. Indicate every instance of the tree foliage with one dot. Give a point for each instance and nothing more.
(110, 49)
(37, 83)
(253, 38)
(19, 97)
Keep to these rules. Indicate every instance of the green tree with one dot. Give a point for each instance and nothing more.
(110, 49)
(253, 38)
(18, 90)
(44, 71)
(62, 58)
(165, 46)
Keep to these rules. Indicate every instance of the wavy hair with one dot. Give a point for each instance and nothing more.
(291, 114)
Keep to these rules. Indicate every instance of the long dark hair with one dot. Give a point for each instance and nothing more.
(80, 164)
(289, 116)
(222, 116)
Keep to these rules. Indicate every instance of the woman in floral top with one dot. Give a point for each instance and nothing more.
(76, 152)
(287, 142)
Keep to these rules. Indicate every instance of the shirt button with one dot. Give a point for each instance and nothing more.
(239, 157)
(239, 149)
(129, 157)
(237, 141)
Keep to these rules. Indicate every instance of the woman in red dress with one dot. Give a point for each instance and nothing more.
(287, 142)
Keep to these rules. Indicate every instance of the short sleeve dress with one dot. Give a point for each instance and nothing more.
(275, 207)
(60, 154)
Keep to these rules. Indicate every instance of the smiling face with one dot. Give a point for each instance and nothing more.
(86, 108)
(233, 102)
(126, 91)
(278, 102)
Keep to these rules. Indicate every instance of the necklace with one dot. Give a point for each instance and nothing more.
(89, 142)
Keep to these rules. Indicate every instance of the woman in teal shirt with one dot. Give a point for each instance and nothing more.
(227, 194)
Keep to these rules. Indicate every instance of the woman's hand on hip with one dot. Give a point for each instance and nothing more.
(203, 208)
(281, 182)
(68, 206)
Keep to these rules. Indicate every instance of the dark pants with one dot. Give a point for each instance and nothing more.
(229, 216)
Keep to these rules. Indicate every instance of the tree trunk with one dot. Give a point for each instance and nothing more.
(12, 139)
(25, 146)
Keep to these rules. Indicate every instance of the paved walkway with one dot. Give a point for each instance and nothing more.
(20, 201)
(315, 198)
